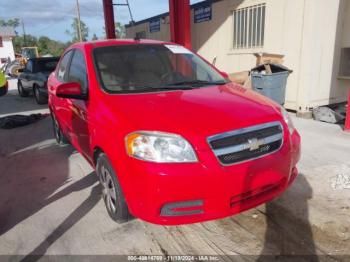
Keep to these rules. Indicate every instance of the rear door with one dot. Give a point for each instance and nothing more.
(59, 105)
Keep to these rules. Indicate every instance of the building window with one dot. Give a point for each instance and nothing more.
(249, 27)
(1, 44)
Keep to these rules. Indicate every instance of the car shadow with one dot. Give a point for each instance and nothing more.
(83, 209)
(34, 173)
(12, 103)
(289, 233)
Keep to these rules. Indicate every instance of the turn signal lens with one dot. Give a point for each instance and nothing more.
(288, 120)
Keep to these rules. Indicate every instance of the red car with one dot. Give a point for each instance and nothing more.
(171, 139)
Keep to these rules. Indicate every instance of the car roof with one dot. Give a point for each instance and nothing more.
(110, 42)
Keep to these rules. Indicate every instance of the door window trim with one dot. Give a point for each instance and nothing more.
(68, 66)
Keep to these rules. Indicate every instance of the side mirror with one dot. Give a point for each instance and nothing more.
(70, 90)
(224, 75)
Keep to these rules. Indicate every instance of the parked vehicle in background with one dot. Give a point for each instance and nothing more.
(13, 68)
(172, 140)
(33, 78)
(3, 84)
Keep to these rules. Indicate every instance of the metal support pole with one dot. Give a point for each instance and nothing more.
(79, 23)
(109, 19)
(347, 120)
(180, 22)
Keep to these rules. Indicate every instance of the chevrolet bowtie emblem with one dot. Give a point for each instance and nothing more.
(254, 144)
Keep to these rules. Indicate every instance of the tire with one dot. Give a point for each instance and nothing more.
(21, 91)
(112, 193)
(59, 136)
(39, 97)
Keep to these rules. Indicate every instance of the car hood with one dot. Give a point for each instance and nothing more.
(194, 113)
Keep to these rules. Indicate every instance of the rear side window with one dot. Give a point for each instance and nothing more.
(46, 65)
(29, 66)
(62, 70)
(77, 70)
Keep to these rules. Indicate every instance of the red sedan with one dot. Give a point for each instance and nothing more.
(171, 139)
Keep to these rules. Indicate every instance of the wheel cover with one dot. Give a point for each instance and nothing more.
(108, 191)
(56, 130)
(20, 87)
(37, 94)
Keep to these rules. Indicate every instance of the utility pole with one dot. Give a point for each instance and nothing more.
(79, 24)
(24, 33)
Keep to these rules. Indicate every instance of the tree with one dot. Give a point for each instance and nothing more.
(75, 31)
(120, 30)
(18, 42)
(11, 22)
(94, 37)
(46, 46)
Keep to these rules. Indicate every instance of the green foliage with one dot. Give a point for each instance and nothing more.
(120, 30)
(94, 37)
(11, 22)
(46, 46)
(75, 32)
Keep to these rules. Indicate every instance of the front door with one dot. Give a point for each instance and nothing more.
(79, 108)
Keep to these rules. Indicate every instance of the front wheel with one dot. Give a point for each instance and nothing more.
(60, 138)
(111, 191)
(39, 96)
(21, 91)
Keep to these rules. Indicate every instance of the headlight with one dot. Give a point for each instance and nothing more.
(288, 120)
(159, 147)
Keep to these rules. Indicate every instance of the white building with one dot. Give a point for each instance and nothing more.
(6, 47)
(313, 36)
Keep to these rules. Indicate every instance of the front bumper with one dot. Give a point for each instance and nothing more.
(154, 190)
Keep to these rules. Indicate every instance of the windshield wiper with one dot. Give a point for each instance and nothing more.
(171, 87)
(158, 88)
(196, 83)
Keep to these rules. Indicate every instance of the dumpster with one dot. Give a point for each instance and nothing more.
(271, 80)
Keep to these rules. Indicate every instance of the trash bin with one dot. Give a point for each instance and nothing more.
(271, 80)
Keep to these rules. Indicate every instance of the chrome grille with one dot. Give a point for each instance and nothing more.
(247, 143)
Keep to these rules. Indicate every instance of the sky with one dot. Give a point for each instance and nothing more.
(53, 18)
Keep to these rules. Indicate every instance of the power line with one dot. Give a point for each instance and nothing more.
(128, 5)
(51, 24)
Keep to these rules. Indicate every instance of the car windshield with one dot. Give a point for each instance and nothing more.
(46, 65)
(147, 67)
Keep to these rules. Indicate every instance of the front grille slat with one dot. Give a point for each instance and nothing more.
(247, 143)
(236, 140)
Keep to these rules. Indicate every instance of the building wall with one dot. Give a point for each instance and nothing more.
(309, 33)
(163, 34)
(7, 49)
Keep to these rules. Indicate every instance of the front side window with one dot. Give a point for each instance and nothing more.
(77, 70)
(139, 68)
(249, 27)
(62, 70)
